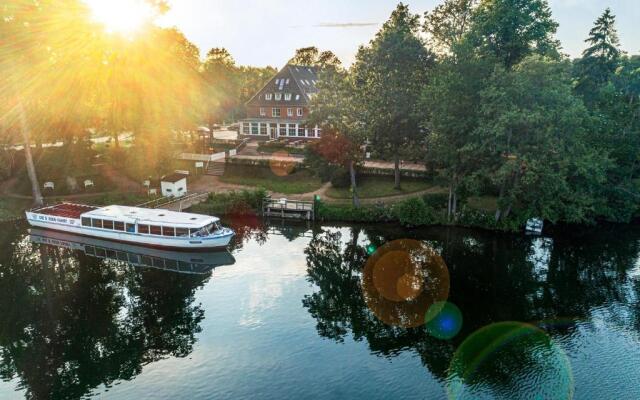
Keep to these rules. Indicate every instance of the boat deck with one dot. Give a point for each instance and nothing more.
(65, 210)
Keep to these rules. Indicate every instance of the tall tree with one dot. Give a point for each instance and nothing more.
(389, 75)
(222, 90)
(532, 139)
(337, 110)
(600, 60)
(513, 29)
(447, 24)
(314, 57)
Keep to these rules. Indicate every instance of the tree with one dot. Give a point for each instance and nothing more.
(600, 60)
(389, 75)
(450, 110)
(447, 24)
(532, 140)
(313, 57)
(337, 110)
(513, 29)
(222, 90)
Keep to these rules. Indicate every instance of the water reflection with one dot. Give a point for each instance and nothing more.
(493, 279)
(72, 320)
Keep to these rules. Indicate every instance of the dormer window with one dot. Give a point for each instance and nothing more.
(287, 96)
(277, 81)
(268, 96)
(263, 112)
(300, 113)
(297, 97)
(287, 82)
(278, 96)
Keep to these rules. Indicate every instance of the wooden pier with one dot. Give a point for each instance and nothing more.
(288, 209)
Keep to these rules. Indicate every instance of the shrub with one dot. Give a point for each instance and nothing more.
(340, 178)
(245, 202)
(413, 212)
(436, 200)
(330, 212)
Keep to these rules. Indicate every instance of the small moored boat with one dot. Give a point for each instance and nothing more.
(141, 226)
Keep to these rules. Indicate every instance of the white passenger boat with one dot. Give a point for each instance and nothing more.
(184, 262)
(141, 226)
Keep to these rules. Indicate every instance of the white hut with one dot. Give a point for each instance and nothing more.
(174, 185)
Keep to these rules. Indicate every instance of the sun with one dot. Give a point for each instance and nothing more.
(121, 16)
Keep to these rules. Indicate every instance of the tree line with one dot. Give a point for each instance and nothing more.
(481, 92)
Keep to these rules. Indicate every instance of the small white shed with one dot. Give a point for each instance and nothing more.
(174, 185)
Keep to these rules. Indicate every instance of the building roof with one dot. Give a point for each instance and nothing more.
(297, 80)
(151, 216)
(174, 178)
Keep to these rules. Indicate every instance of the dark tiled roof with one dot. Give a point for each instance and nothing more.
(173, 178)
(297, 80)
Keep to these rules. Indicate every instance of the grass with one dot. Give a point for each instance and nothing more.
(381, 186)
(298, 181)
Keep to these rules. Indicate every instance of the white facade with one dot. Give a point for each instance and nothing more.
(174, 189)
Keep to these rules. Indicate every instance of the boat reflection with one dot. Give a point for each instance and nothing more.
(139, 256)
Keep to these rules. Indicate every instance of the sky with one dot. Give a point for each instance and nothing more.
(267, 32)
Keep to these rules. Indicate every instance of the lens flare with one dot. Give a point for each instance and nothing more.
(402, 280)
(121, 16)
(501, 360)
(444, 320)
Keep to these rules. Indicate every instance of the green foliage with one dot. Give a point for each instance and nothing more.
(341, 179)
(245, 202)
(413, 212)
(295, 182)
(437, 201)
(511, 30)
(279, 146)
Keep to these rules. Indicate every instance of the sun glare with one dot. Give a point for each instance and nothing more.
(121, 16)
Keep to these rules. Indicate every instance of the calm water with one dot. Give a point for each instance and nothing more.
(290, 314)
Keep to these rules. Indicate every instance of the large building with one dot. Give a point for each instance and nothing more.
(280, 109)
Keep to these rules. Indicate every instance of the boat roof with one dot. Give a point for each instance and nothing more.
(151, 216)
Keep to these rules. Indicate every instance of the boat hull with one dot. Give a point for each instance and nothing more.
(69, 225)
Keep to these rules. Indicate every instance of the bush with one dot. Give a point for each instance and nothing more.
(379, 213)
(245, 202)
(341, 178)
(436, 200)
(413, 212)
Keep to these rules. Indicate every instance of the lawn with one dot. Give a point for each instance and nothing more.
(381, 186)
(300, 181)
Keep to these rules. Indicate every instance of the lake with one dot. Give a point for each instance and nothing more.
(321, 312)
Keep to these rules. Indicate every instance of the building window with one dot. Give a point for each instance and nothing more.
(275, 112)
(301, 131)
(263, 112)
(289, 112)
(254, 128)
(277, 81)
(268, 96)
(283, 129)
(292, 129)
(300, 112)
(287, 96)
(263, 128)
(246, 128)
(278, 96)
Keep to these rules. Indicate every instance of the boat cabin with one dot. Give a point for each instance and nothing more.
(151, 222)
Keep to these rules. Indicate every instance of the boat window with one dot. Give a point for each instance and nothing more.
(182, 232)
(107, 224)
(168, 231)
(143, 229)
(96, 223)
(155, 230)
(131, 228)
(118, 226)
(86, 221)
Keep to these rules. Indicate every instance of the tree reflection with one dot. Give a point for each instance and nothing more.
(493, 278)
(72, 322)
